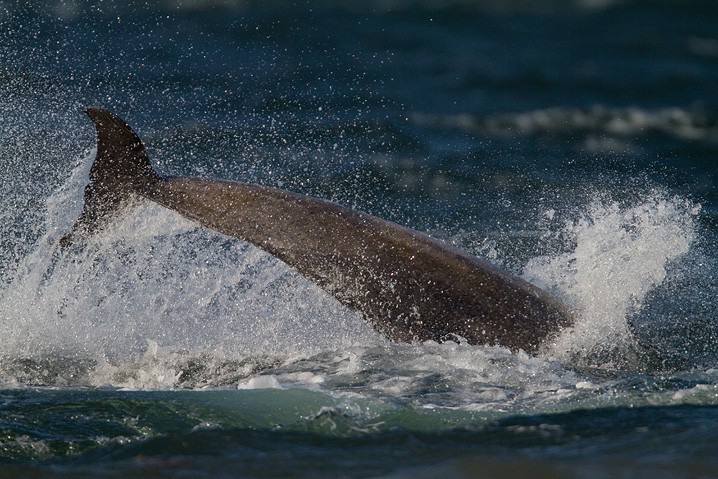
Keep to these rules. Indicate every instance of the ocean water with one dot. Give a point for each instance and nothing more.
(573, 143)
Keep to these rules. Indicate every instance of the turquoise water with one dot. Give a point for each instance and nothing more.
(573, 143)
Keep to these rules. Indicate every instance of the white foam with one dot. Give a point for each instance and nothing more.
(260, 382)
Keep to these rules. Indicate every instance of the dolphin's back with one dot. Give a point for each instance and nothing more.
(410, 286)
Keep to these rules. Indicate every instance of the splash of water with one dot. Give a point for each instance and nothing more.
(156, 301)
(157, 285)
(621, 253)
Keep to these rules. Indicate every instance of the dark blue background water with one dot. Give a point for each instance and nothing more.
(493, 127)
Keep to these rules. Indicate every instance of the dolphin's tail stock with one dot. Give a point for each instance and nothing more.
(121, 170)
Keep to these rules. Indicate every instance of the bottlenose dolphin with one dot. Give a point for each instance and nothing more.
(408, 285)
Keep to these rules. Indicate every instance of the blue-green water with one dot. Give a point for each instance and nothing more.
(574, 143)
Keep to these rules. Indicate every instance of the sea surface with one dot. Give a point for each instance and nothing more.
(571, 142)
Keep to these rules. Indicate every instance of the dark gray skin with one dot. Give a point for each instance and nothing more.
(409, 286)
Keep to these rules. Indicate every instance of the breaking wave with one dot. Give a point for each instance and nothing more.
(695, 125)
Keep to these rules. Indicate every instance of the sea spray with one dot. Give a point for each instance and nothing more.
(621, 253)
(156, 286)
(156, 302)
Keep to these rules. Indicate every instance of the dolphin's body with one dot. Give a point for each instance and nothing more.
(409, 286)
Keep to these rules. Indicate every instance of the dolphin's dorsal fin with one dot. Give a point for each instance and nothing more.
(121, 169)
(121, 161)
